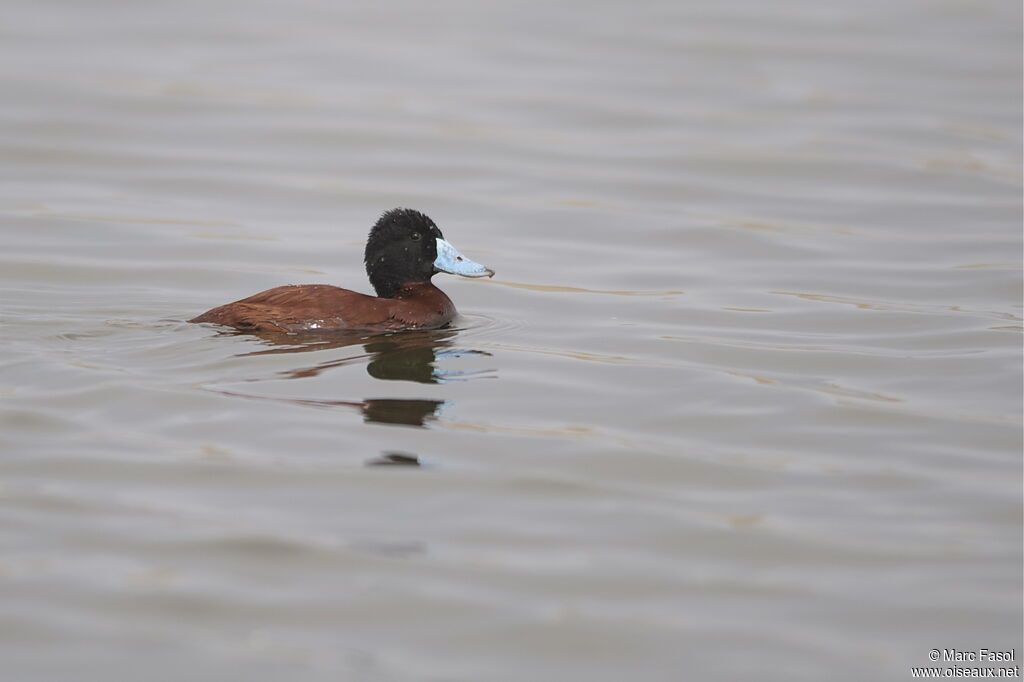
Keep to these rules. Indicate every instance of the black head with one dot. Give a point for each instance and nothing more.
(401, 249)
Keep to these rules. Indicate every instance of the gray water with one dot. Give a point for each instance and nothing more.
(742, 402)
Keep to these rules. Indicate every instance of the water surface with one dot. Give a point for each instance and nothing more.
(743, 399)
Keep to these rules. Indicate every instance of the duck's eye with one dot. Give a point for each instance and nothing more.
(415, 236)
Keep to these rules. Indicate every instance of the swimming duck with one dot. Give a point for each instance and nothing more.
(403, 251)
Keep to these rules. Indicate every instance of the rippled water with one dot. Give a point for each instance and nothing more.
(743, 399)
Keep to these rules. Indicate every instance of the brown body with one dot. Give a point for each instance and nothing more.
(418, 305)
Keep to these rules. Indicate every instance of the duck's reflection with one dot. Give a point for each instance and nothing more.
(402, 356)
(410, 412)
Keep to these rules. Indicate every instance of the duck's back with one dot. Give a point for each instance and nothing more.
(322, 306)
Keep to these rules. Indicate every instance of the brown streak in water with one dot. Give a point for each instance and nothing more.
(573, 431)
(312, 402)
(845, 396)
(575, 355)
(188, 89)
(836, 389)
(569, 431)
(745, 521)
(993, 266)
(787, 229)
(214, 452)
(972, 165)
(822, 298)
(234, 237)
(910, 308)
(136, 219)
(579, 290)
(587, 203)
(839, 390)
(735, 343)
(980, 131)
(762, 227)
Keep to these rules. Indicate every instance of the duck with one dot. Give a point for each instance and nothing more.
(404, 250)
